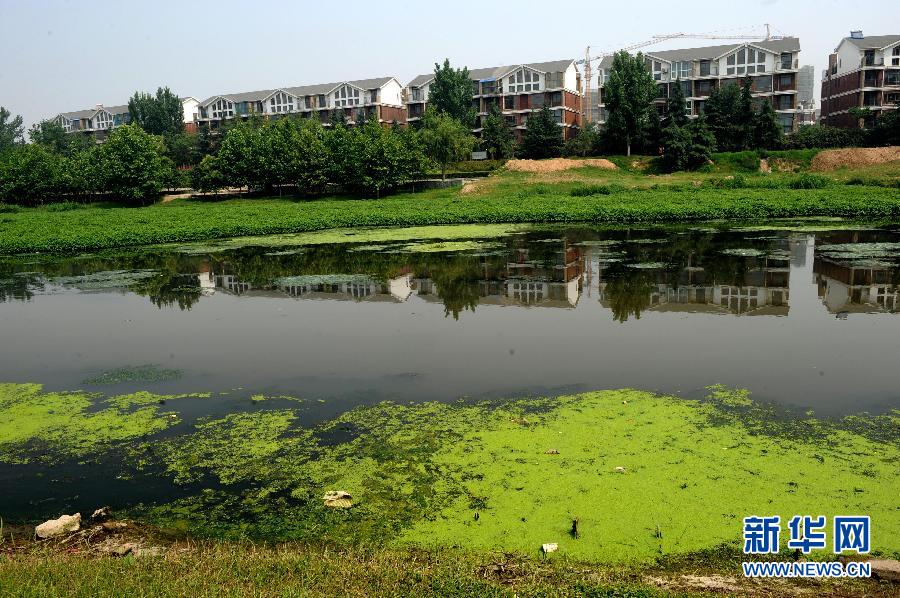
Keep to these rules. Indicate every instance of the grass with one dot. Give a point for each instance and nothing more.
(503, 198)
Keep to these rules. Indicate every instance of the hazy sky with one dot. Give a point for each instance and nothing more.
(63, 55)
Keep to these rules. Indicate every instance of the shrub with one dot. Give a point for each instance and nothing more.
(740, 161)
(809, 181)
(64, 206)
(821, 137)
(734, 182)
(589, 190)
(131, 164)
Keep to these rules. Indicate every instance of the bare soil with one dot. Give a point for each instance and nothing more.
(854, 157)
(556, 165)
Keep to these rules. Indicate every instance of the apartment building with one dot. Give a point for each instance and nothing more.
(517, 90)
(98, 121)
(863, 72)
(773, 66)
(364, 99)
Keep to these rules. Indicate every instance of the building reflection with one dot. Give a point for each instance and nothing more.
(847, 286)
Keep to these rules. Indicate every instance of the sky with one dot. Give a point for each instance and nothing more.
(63, 55)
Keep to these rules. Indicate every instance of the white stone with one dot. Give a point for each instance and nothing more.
(620, 469)
(549, 547)
(886, 569)
(66, 524)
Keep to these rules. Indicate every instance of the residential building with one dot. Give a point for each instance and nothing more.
(364, 99)
(98, 121)
(773, 66)
(863, 72)
(517, 90)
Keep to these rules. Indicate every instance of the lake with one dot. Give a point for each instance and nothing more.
(804, 315)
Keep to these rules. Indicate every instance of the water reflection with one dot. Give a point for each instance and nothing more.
(630, 272)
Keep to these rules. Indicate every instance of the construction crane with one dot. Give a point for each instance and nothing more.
(588, 59)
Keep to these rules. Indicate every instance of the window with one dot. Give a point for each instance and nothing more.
(556, 98)
(761, 84)
(895, 56)
(869, 59)
(662, 90)
(281, 102)
(322, 102)
(681, 70)
(785, 82)
(509, 102)
(346, 96)
(698, 106)
(784, 102)
(221, 108)
(702, 88)
(657, 68)
(553, 80)
(892, 77)
(706, 68)
(103, 120)
(488, 87)
(418, 94)
(373, 96)
(537, 100)
(787, 122)
(557, 116)
(523, 80)
(745, 61)
(786, 60)
(686, 89)
(892, 98)
(511, 120)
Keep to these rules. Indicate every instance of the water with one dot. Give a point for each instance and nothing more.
(805, 319)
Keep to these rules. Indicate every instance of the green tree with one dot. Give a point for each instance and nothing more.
(30, 173)
(131, 164)
(337, 118)
(161, 114)
(11, 130)
(627, 94)
(729, 117)
(496, 137)
(766, 130)
(182, 148)
(309, 169)
(585, 143)
(686, 147)
(887, 128)
(543, 137)
(451, 93)
(206, 176)
(676, 106)
(242, 156)
(445, 139)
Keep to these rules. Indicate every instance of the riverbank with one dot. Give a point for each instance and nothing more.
(582, 195)
(203, 568)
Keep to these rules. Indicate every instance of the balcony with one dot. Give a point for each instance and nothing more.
(706, 68)
(871, 61)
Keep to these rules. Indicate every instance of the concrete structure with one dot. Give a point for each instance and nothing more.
(773, 66)
(363, 99)
(863, 72)
(517, 90)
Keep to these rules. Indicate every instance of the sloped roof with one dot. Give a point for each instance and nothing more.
(873, 42)
(787, 44)
(79, 114)
(495, 72)
(116, 109)
(302, 90)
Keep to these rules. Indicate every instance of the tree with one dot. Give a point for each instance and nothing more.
(131, 164)
(11, 130)
(445, 140)
(496, 137)
(337, 118)
(627, 94)
(676, 106)
(206, 176)
(30, 173)
(158, 115)
(451, 93)
(686, 147)
(242, 158)
(182, 148)
(887, 128)
(310, 166)
(766, 130)
(543, 137)
(729, 112)
(585, 143)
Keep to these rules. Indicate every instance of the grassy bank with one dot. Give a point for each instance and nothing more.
(584, 194)
(187, 568)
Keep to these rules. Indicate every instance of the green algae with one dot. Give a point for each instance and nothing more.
(138, 373)
(356, 235)
(420, 474)
(110, 279)
(51, 426)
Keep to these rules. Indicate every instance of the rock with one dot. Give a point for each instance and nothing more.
(66, 524)
(101, 514)
(888, 569)
(620, 469)
(551, 452)
(151, 551)
(112, 526)
(338, 499)
(122, 549)
(549, 547)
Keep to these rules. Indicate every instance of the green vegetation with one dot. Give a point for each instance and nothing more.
(11, 130)
(542, 138)
(508, 197)
(628, 93)
(450, 93)
(161, 114)
(445, 139)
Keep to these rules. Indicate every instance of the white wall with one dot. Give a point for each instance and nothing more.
(391, 93)
(190, 106)
(848, 57)
(570, 78)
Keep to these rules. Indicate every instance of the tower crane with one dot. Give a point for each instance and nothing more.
(588, 59)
